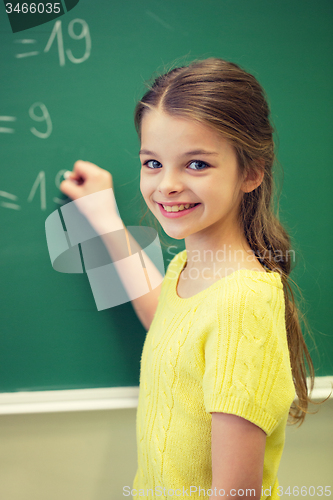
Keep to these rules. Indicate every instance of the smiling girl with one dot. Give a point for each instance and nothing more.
(224, 353)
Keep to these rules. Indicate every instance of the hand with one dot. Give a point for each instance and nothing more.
(89, 179)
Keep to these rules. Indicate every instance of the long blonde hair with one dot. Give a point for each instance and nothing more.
(220, 94)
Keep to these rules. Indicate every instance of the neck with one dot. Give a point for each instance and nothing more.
(226, 253)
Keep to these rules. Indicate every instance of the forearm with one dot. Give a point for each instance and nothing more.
(121, 244)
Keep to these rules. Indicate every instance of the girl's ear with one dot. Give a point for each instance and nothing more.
(254, 176)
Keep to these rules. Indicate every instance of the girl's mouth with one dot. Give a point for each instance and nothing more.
(180, 213)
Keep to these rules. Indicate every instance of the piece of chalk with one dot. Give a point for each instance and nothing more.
(68, 174)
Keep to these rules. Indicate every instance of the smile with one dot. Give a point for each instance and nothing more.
(177, 210)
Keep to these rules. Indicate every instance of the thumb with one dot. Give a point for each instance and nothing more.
(85, 169)
(70, 187)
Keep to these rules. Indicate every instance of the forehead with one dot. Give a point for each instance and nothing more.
(160, 127)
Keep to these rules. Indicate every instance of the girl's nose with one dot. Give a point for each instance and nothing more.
(169, 183)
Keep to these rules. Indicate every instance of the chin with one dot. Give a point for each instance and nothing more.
(176, 235)
(171, 234)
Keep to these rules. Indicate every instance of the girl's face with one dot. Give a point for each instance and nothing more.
(185, 162)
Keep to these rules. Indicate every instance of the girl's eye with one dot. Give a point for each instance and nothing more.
(153, 163)
(200, 164)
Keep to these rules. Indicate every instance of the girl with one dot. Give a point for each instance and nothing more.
(224, 353)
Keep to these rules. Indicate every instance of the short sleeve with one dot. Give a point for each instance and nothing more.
(247, 365)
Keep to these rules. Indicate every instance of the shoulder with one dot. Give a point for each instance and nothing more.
(247, 370)
(251, 312)
(252, 290)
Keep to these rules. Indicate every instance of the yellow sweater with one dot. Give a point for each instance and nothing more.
(221, 350)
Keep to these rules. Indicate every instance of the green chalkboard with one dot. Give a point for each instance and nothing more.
(68, 91)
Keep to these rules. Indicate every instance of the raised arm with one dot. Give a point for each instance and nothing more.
(146, 305)
(92, 179)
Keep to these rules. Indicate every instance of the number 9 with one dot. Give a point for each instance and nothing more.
(45, 117)
(84, 34)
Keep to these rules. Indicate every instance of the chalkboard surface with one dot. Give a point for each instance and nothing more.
(68, 91)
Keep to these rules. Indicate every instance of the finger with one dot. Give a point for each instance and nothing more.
(71, 176)
(85, 169)
(69, 188)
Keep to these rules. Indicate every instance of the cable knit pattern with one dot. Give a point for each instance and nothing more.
(221, 350)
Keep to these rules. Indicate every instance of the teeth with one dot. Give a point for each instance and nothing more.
(177, 208)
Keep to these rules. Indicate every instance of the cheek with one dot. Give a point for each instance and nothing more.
(219, 198)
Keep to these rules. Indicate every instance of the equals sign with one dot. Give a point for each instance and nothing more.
(26, 54)
(5, 204)
(7, 130)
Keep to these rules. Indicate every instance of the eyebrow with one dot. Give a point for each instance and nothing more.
(188, 153)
